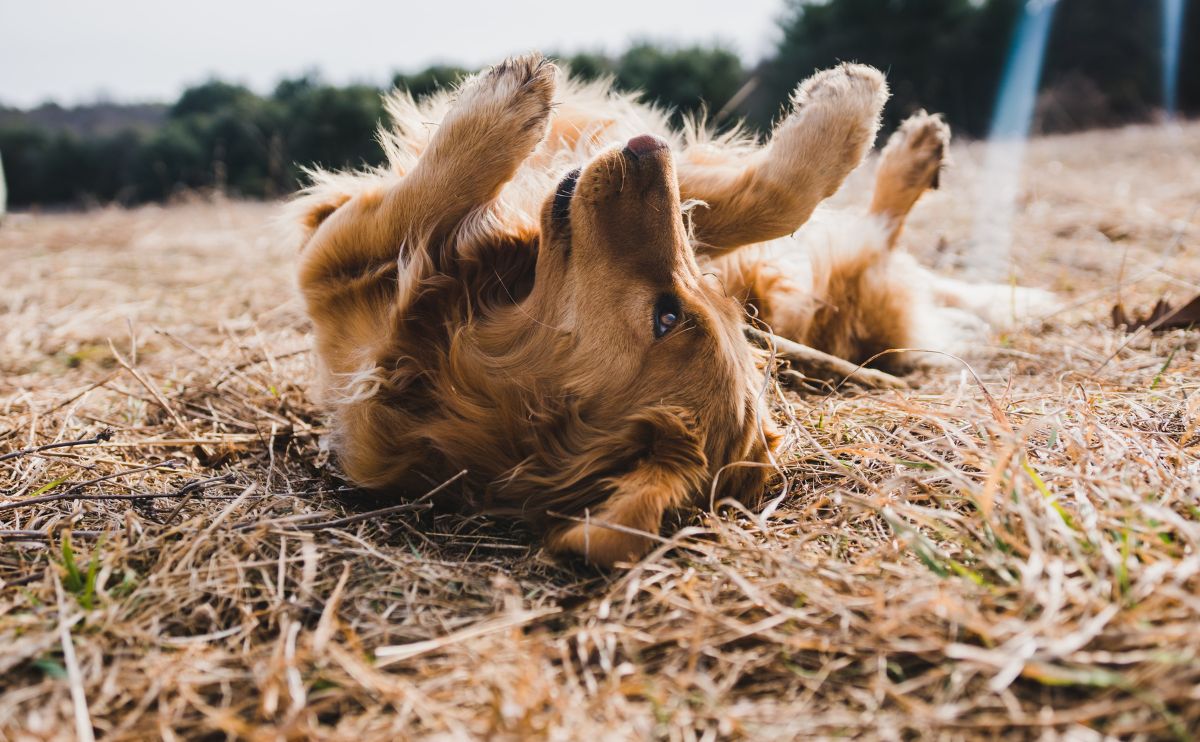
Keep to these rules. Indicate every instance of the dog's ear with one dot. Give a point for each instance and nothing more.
(319, 211)
(302, 215)
(664, 439)
(667, 467)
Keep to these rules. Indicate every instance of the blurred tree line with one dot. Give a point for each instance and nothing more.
(1103, 67)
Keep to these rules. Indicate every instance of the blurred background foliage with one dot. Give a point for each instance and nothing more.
(1103, 68)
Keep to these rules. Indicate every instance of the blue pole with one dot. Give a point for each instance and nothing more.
(1018, 89)
(1172, 31)
(1000, 180)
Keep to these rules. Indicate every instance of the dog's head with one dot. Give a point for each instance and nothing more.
(655, 346)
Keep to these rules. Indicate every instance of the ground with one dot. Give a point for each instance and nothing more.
(1013, 555)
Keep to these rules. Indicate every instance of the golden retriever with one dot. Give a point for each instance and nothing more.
(547, 286)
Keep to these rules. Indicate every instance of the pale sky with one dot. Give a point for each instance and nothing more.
(75, 51)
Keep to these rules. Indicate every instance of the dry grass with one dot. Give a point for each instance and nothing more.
(943, 565)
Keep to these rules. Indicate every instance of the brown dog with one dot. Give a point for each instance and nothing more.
(519, 294)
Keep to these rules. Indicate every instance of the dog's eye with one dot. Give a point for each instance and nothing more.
(562, 196)
(667, 314)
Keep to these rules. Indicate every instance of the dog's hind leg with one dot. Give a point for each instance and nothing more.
(911, 163)
(771, 192)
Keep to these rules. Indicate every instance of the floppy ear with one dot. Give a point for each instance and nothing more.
(669, 467)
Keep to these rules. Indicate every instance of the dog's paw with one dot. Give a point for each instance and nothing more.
(832, 125)
(917, 151)
(854, 92)
(598, 544)
(517, 92)
(530, 75)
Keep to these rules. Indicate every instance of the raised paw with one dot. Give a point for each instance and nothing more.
(911, 164)
(916, 152)
(499, 118)
(854, 91)
(511, 100)
(830, 126)
(834, 118)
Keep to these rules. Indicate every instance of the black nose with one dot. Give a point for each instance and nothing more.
(644, 145)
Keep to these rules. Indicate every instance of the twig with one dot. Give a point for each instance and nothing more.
(101, 437)
(158, 397)
(400, 652)
(70, 493)
(188, 492)
(820, 365)
(23, 579)
(223, 440)
(325, 626)
(27, 535)
(608, 525)
(191, 488)
(419, 504)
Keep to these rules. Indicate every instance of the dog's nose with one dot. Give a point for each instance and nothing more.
(644, 145)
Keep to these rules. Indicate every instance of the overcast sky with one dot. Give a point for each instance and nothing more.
(74, 51)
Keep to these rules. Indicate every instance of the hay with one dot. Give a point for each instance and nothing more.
(946, 563)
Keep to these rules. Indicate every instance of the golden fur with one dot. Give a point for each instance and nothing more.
(473, 312)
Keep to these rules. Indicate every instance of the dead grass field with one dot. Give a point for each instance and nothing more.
(942, 565)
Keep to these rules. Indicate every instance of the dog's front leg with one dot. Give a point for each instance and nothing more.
(499, 118)
(625, 527)
(770, 193)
